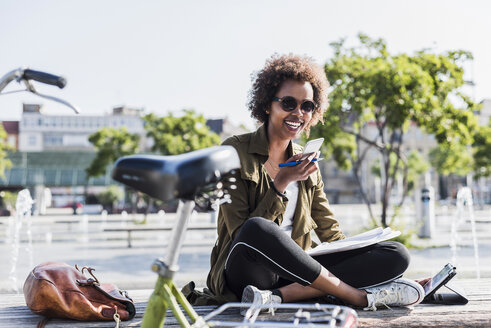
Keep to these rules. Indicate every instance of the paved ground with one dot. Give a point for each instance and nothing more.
(83, 242)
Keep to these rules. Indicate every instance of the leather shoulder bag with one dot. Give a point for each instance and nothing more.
(57, 290)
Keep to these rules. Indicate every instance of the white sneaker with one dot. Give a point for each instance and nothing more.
(400, 292)
(258, 297)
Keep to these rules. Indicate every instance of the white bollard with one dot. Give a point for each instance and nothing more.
(427, 214)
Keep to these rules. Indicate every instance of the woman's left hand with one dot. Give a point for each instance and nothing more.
(423, 281)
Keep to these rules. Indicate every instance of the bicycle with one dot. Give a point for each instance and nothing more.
(25, 75)
(203, 178)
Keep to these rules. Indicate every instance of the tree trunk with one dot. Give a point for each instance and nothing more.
(386, 190)
(364, 196)
(356, 168)
(147, 210)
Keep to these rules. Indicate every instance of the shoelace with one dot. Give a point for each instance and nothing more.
(382, 297)
(268, 299)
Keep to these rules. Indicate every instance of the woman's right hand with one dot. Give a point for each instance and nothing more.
(298, 172)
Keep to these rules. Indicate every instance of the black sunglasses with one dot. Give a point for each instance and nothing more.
(289, 104)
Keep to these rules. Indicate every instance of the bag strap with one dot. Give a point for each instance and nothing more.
(43, 322)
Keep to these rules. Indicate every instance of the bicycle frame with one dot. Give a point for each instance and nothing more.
(165, 294)
(294, 315)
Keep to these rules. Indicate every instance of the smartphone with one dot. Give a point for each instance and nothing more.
(312, 146)
(440, 279)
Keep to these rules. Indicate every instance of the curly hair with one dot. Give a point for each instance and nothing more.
(280, 68)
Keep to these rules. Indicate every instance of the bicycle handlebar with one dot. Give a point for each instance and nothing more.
(43, 77)
(23, 74)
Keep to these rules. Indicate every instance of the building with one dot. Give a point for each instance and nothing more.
(12, 129)
(53, 150)
(224, 128)
(485, 115)
(39, 132)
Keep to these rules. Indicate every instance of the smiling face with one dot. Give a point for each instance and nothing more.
(285, 125)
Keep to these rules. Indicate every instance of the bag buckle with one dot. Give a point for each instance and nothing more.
(89, 281)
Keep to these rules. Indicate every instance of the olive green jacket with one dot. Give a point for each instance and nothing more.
(255, 197)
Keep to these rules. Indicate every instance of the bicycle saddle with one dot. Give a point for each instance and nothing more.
(179, 176)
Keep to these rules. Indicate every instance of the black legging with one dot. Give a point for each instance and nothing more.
(264, 256)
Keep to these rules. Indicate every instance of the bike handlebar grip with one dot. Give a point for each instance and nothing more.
(47, 78)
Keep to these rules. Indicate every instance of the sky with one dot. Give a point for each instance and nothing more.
(165, 56)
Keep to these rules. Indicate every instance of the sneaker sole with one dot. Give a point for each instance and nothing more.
(248, 295)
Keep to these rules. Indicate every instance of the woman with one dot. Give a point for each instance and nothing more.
(263, 233)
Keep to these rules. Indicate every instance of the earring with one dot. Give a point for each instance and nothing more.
(267, 112)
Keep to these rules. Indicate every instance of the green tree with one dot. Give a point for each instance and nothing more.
(463, 159)
(482, 151)
(176, 135)
(110, 196)
(452, 158)
(110, 144)
(371, 86)
(5, 163)
(416, 165)
(8, 199)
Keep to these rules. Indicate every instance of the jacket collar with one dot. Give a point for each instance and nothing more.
(259, 143)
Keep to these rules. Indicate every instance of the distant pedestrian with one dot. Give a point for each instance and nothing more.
(74, 207)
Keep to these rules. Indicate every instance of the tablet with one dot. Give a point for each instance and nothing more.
(440, 279)
(457, 297)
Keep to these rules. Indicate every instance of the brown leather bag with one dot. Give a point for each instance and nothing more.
(57, 290)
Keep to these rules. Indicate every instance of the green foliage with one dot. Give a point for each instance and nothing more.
(9, 199)
(373, 90)
(452, 158)
(342, 145)
(407, 235)
(110, 144)
(5, 163)
(482, 151)
(463, 158)
(176, 135)
(406, 238)
(416, 164)
(111, 195)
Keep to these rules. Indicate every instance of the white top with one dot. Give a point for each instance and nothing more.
(292, 194)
